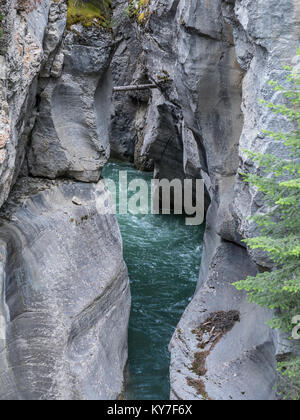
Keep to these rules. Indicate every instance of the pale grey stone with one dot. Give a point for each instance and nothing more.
(215, 59)
(64, 287)
(2, 68)
(242, 365)
(70, 137)
(218, 58)
(22, 47)
(65, 294)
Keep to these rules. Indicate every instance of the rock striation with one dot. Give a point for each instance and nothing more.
(21, 60)
(65, 298)
(64, 294)
(64, 287)
(70, 137)
(212, 62)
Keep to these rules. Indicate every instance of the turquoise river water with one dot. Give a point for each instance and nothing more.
(163, 256)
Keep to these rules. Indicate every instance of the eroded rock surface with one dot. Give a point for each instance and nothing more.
(263, 42)
(22, 55)
(211, 363)
(65, 295)
(70, 137)
(212, 62)
(64, 287)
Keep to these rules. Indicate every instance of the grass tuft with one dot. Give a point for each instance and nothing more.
(89, 13)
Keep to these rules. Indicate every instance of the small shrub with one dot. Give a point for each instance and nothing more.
(139, 10)
(280, 227)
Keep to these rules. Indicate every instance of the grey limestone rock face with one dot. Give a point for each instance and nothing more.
(240, 364)
(219, 57)
(162, 141)
(65, 297)
(194, 121)
(22, 54)
(64, 288)
(70, 137)
(271, 41)
(215, 60)
(127, 69)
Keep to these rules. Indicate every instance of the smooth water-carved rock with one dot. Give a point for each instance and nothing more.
(162, 142)
(64, 287)
(272, 42)
(263, 42)
(216, 58)
(65, 296)
(192, 58)
(70, 137)
(222, 348)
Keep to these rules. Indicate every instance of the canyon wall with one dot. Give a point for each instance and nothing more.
(211, 61)
(64, 287)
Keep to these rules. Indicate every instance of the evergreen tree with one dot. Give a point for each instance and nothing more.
(279, 289)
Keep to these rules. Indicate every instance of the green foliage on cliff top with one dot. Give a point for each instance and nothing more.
(89, 13)
(280, 227)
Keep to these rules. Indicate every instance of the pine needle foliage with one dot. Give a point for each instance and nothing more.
(279, 289)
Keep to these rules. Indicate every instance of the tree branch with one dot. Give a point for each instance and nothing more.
(134, 87)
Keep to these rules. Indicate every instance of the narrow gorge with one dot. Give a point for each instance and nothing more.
(98, 306)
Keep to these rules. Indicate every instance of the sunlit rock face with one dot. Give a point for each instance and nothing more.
(65, 296)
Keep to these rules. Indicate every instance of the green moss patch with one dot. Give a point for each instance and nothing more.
(89, 13)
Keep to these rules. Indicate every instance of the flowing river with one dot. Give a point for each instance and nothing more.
(163, 256)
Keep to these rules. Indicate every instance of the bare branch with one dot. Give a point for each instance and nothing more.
(134, 87)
